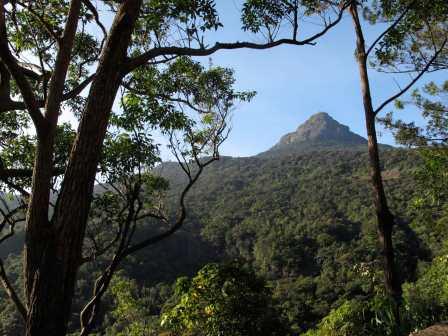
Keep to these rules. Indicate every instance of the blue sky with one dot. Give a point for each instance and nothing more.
(294, 82)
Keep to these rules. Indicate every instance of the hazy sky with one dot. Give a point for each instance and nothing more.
(294, 82)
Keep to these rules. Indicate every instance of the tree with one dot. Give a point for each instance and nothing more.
(132, 314)
(407, 19)
(60, 57)
(223, 300)
(426, 300)
(431, 141)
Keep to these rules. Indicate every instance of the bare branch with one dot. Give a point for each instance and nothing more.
(134, 206)
(180, 218)
(30, 73)
(92, 8)
(78, 89)
(135, 62)
(98, 252)
(8, 218)
(56, 86)
(11, 292)
(16, 187)
(90, 311)
(23, 172)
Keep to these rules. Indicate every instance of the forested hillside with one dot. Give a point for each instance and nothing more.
(301, 219)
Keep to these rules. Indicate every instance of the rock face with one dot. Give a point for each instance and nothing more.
(436, 330)
(322, 128)
(319, 132)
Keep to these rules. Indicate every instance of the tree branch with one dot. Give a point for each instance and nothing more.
(78, 89)
(24, 172)
(16, 72)
(92, 8)
(8, 218)
(16, 187)
(407, 87)
(180, 220)
(392, 26)
(11, 292)
(45, 24)
(56, 85)
(11, 105)
(135, 62)
(5, 82)
(90, 311)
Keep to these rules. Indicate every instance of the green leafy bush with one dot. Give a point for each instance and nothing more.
(426, 300)
(224, 300)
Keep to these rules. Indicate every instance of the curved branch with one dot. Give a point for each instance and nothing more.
(181, 217)
(135, 62)
(92, 8)
(12, 293)
(392, 26)
(16, 187)
(11, 105)
(19, 76)
(421, 73)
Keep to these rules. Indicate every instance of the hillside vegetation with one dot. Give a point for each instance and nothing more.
(301, 220)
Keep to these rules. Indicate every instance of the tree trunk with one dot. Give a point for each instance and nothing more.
(40, 238)
(385, 219)
(52, 267)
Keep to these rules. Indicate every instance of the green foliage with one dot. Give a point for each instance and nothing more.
(176, 97)
(271, 16)
(11, 323)
(433, 103)
(432, 178)
(158, 17)
(128, 308)
(426, 300)
(127, 154)
(411, 42)
(346, 320)
(136, 309)
(430, 203)
(301, 221)
(357, 318)
(258, 14)
(223, 300)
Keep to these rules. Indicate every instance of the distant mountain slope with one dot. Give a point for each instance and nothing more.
(301, 218)
(285, 168)
(319, 132)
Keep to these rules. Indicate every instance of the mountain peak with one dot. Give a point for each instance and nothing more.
(320, 131)
(321, 127)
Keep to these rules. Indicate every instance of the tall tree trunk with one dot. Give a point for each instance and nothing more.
(385, 219)
(39, 240)
(55, 263)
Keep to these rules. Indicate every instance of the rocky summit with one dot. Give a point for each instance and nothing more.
(319, 132)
